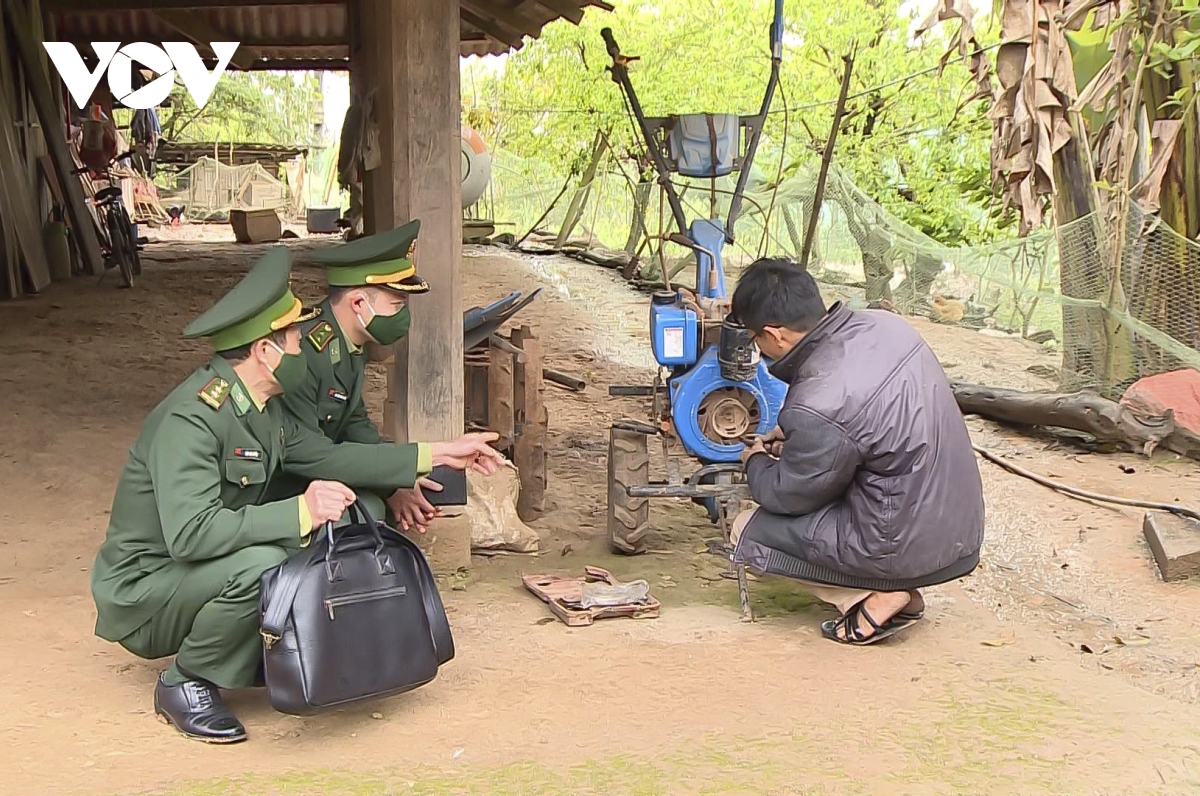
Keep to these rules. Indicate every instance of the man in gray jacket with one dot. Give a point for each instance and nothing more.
(868, 490)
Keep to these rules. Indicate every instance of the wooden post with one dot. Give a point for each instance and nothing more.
(500, 397)
(412, 48)
(18, 196)
(529, 454)
(45, 99)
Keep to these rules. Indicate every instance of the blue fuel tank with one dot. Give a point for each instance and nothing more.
(674, 331)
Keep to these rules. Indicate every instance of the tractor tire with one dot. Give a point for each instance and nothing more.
(628, 465)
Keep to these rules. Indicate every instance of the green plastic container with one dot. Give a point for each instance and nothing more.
(58, 250)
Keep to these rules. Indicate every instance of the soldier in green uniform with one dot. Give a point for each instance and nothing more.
(191, 530)
(370, 281)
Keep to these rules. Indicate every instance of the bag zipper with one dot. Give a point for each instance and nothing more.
(362, 597)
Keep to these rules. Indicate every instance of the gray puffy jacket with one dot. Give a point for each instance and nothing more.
(877, 486)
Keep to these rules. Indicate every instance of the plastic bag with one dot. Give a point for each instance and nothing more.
(597, 594)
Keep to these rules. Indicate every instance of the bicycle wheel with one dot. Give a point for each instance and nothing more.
(120, 245)
(135, 256)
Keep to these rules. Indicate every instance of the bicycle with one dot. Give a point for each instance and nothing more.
(115, 228)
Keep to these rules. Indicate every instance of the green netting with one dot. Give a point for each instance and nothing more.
(1109, 336)
(209, 189)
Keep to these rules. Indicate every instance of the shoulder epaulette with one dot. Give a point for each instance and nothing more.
(320, 335)
(214, 393)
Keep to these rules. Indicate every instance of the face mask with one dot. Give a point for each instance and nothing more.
(387, 329)
(291, 370)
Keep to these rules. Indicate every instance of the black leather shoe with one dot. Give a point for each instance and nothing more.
(195, 709)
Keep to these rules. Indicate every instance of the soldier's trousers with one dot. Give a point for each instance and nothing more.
(211, 623)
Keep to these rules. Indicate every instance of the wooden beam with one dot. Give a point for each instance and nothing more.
(494, 28)
(529, 452)
(200, 32)
(49, 110)
(500, 396)
(186, 5)
(564, 8)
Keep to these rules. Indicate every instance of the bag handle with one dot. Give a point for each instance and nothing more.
(359, 516)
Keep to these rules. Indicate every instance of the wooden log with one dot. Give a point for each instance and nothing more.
(1089, 412)
(500, 397)
(529, 452)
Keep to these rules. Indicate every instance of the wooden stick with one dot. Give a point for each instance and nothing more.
(819, 194)
(1082, 493)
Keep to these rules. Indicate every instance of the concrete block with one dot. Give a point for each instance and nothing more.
(446, 544)
(1175, 542)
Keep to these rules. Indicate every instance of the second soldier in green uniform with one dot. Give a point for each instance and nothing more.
(370, 281)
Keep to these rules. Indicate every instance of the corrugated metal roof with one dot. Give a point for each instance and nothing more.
(293, 34)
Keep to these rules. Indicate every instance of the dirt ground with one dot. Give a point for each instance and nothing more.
(1062, 666)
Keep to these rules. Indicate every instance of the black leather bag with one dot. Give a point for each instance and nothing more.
(354, 616)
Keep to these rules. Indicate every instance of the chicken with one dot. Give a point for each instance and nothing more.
(944, 310)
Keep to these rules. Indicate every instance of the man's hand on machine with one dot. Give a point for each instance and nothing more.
(410, 507)
(770, 443)
(469, 450)
(773, 442)
(749, 450)
(326, 500)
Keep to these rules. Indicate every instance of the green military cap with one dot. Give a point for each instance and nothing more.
(255, 307)
(381, 260)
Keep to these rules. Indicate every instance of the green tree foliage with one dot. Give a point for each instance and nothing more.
(255, 107)
(911, 144)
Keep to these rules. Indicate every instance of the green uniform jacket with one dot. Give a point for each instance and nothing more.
(330, 400)
(194, 488)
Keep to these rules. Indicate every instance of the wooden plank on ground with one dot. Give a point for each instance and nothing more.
(49, 112)
(1175, 542)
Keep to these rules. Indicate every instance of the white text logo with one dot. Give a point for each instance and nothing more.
(164, 61)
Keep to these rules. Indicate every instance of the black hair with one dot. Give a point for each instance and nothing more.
(775, 291)
(242, 352)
